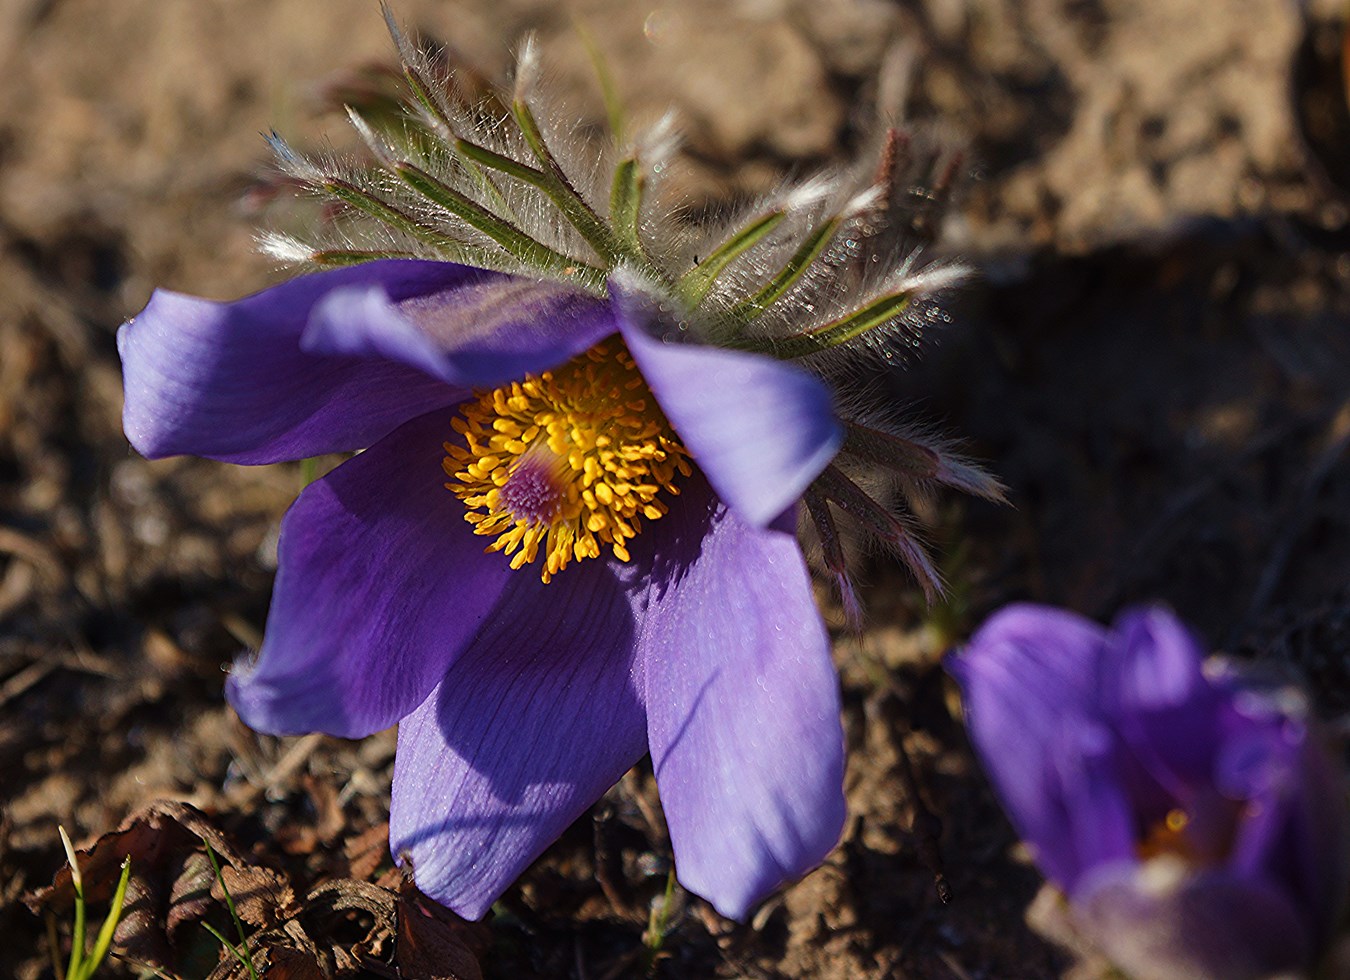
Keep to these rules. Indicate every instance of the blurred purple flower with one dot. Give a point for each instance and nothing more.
(1190, 817)
(522, 700)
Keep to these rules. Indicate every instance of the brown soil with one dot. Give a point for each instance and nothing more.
(1155, 359)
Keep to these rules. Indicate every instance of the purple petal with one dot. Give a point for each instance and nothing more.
(1029, 683)
(478, 335)
(229, 380)
(761, 430)
(1293, 829)
(332, 361)
(1157, 921)
(1155, 689)
(743, 709)
(380, 584)
(528, 728)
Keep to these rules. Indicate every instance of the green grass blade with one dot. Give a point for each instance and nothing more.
(103, 941)
(234, 950)
(75, 965)
(234, 914)
(608, 90)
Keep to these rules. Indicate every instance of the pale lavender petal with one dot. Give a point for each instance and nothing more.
(380, 584)
(229, 380)
(528, 728)
(1029, 682)
(481, 334)
(1163, 922)
(761, 430)
(743, 708)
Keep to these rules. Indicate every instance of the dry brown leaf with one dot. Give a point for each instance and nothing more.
(171, 883)
(261, 897)
(435, 943)
(367, 851)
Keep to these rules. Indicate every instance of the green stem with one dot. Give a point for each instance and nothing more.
(625, 203)
(392, 216)
(562, 193)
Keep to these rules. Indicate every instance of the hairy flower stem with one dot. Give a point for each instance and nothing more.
(334, 257)
(392, 216)
(877, 313)
(625, 204)
(562, 193)
(833, 552)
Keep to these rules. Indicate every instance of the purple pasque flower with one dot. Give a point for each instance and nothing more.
(569, 537)
(522, 700)
(1189, 815)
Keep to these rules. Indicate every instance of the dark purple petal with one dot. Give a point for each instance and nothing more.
(1099, 823)
(229, 380)
(1029, 679)
(528, 728)
(1293, 827)
(380, 584)
(761, 430)
(1159, 921)
(481, 334)
(743, 708)
(1155, 691)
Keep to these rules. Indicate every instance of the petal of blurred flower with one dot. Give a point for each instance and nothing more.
(1162, 922)
(1235, 857)
(1029, 678)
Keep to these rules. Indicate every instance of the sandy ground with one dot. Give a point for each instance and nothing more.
(1154, 357)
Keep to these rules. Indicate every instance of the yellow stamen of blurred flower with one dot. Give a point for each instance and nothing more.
(563, 463)
(1168, 836)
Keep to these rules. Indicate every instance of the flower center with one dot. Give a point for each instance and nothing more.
(566, 461)
(1167, 836)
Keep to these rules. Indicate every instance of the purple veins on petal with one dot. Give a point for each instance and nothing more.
(331, 361)
(230, 381)
(485, 332)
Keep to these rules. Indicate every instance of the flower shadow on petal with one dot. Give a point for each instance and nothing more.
(528, 728)
(541, 715)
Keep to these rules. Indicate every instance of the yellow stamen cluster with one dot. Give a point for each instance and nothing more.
(565, 462)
